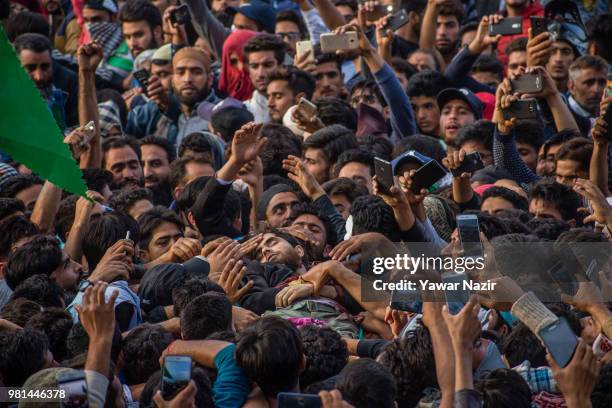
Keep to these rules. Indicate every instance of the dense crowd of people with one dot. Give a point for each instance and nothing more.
(234, 203)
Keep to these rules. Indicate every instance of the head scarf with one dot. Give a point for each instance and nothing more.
(235, 82)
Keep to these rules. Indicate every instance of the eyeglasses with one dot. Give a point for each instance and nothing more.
(290, 35)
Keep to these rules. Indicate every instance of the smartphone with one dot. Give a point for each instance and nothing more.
(508, 26)
(302, 47)
(471, 163)
(469, 235)
(608, 118)
(384, 175)
(528, 83)
(397, 20)
(521, 109)
(306, 109)
(406, 300)
(331, 42)
(560, 341)
(295, 400)
(492, 360)
(75, 387)
(456, 295)
(539, 25)
(90, 131)
(427, 175)
(378, 12)
(562, 274)
(142, 77)
(180, 15)
(176, 374)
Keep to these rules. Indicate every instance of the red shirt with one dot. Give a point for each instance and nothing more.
(534, 9)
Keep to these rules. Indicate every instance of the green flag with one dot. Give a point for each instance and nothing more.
(28, 131)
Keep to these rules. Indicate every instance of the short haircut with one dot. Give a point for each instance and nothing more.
(295, 18)
(371, 86)
(601, 396)
(519, 202)
(9, 206)
(366, 383)
(479, 131)
(522, 344)
(371, 214)
(26, 22)
(579, 150)
(346, 187)
(452, 8)
(150, 220)
(530, 132)
(125, 200)
(189, 289)
(118, 142)
(41, 255)
(426, 83)
(40, 289)
(403, 66)
(297, 80)
(178, 170)
(190, 194)
(325, 57)
(265, 42)
(205, 315)
(142, 348)
(469, 27)
(352, 4)
(140, 10)
(516, 45)
(200, 376)
(310, 208)
(13, 229)
(547, 229)
(19, 311)
(282, 142)
(228, 120)
(418, 6)
(429, 52)
(489, 63)
(335, 111)
(354, 155)
(504, 388)
(427, 145)
(379, 145)
(562, 197)
(326, 354)
(270, 353)
(55, 323)
(16, 184)
(32, 42)
(332, 140)
(196, 142)
(23, 354)
(163, 143)
(104, 231)
(97, 179)
(601, 33)
(586, 62)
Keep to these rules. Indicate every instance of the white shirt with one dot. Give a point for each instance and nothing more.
(258, 106)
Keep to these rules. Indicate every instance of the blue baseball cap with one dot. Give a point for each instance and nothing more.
(258, 11)
(411, 156)
(463, 94)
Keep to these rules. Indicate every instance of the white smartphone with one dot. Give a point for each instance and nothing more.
(331, 42)
(302, 47)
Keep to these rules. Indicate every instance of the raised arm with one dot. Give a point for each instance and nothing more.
(207, 26)
(46, 207)
(89, 56)
(598, 169)
(427, 39)
(330, 15)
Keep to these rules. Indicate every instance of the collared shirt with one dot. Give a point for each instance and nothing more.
(538, 379)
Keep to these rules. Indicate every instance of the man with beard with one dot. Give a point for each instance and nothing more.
(441, 27)
(406, 39)
(587, 82)
(121, 156)
(65, 29)
(141, 23)
(562, 54)
(191, 82)
(157, 155)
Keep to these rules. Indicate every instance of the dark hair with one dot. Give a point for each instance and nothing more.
(273, 179)
(142, 348)
(325, 57)
(344, 186)
(504, 388)
(32, 42)
(292, 16)
(178, 170)
(118, 142)
(326, 354)
(312, 209)
(562, 197)
(150, 220)
(206, 314)
(335, 111)
(332, 140)
(466, 28)
(40, 289)
(489, 63)
(270, 353)
(371, 214)
(297, 80)
(411, 362)
(26, 22)
(42, 255)
(579, 150)
(427, 83)
(65, 216)
(365, 383)
(227, 121)
(354, 155)
(548, 229)
(196, 142)
(203, 397)
(427, 145)
(190, 194)
(530, 132)
(190, 289)
(352, 4)
(265, 42)
(9, 206)
(452, 8)
(163, 143)
(104, 231)
(517, 45)
(125, 200)
(282, 142)
(55, 323)
(517, 201)
(97, 179)
(15, 185)
(490, 225)
(23, 354)
(13, 229)
(521, 344)
(371, 86)
(109, 94)
(19, 311)
(77, 342)
(601, 396)
(480, 131)
(140, 10)
(601, 33)
(380, 146)
(404, 67)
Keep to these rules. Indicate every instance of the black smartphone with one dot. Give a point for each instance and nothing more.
(608, 118)
(384, 175)
(142, 77)
(406, 301)
(469, 235)
(470, 164)
(176, 374)
(528, 83)
(508, 26)
(562, 274)
(456, 293)
(560, 341)
(521, 109)
(295, 400)
(397, 20)
(75, 387)
(180, 15)
(427, 175)
(539, 25)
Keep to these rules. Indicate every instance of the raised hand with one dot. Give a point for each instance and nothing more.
(252, 172)
(333, 399)
(602, 211)
(184, 399)
(246, 144)
(539, 49)
(506, 291)
(157, 93)
(230, 279)
(503, 99)
(78, 140)
(464, 328)
(483, 39)
(96, 314)
(384, 38)
(298, 172)
(221, 256)
(89, 56)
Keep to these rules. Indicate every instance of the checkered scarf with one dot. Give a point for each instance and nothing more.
(107, 34)
(109, 117)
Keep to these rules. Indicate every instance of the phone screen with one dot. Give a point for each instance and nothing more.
(294, 400)
(560, 341)
(76, 391)
(427, 175)
(176, 374)
(469, 234)
(563, 276)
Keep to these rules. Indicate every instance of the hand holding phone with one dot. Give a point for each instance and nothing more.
(297, 400)
(331, 42)
(469, 235)
(560, 341)
(521, 109)
(528, 83)
(180, 15)
(306, 109)
(426, 176)
(508, 26)
(397, 20)
(471, 162)
(305, 47)
(176, 374)
(142, 77)
(384, 175)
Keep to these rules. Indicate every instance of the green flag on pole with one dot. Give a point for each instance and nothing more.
(28, 131)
